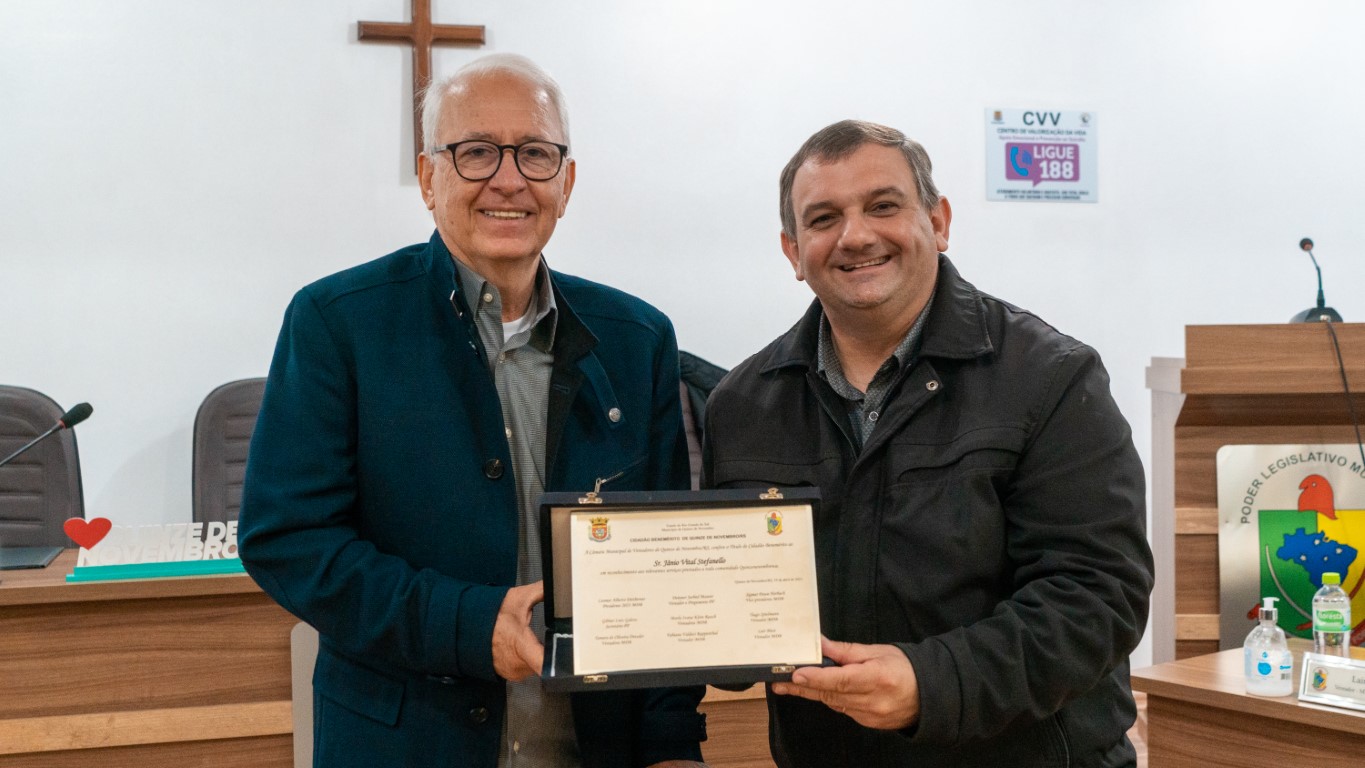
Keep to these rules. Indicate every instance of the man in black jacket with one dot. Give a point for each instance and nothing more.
(983, 567)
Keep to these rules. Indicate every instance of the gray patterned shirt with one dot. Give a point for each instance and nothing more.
(538, 730)
(864, 408)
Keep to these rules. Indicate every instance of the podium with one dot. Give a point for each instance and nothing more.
(1237, 385)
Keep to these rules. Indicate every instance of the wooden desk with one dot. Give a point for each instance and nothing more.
(163, 672)
(1199, 715)
(176, 673)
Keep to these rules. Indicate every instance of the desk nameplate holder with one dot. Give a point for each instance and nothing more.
(1333, 680)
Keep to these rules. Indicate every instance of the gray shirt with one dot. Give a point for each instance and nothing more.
(864, 408)
(538, 730)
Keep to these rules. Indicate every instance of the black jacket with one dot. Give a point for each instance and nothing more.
(992, 527)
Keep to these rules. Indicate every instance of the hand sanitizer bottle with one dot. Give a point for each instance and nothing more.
(1269, 664)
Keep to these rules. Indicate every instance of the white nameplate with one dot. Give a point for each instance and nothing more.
(1334, 681)
(106, 544)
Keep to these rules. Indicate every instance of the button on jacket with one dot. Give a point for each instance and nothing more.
(992, 527)
(378, 506)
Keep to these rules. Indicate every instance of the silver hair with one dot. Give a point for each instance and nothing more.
(837, 141)
(433, 99)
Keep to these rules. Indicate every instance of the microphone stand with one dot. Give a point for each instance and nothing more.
(78, 413)
(1321, 313)
(31, 443)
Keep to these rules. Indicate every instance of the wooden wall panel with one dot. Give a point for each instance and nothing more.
(1242, 359)
(1184, 649)
(737, 730)
(1196, 520)
(143, 654)
(269, 752)
(100, 730)
(1283, 410)
(159, 672)
(1203, 737)
(1196, 581)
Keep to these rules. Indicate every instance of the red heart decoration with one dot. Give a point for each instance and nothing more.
(87, 534)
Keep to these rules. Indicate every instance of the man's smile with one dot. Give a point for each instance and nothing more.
(869, 263)
(506, 214)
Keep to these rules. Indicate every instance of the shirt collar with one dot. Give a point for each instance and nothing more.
(827, 358)
(543, 306)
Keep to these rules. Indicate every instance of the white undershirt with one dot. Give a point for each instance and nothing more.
(511, 328)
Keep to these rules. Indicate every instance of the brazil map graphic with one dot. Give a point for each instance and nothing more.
(1297, 546)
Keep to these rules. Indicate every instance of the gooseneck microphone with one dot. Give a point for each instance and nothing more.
(1321, 313)
(78, 413)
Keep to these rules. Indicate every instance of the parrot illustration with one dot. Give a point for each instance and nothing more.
(1317, 497)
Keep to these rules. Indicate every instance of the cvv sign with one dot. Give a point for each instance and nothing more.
(1035, 162)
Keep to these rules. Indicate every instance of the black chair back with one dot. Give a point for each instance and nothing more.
(222, 434)
(40, 489)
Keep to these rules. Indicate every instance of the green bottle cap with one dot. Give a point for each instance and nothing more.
(1331, 578)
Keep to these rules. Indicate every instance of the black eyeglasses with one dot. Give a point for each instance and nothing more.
(478, 160)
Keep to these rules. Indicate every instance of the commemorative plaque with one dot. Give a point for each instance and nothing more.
(677, 588)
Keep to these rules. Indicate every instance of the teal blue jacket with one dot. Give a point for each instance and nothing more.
(380, 505)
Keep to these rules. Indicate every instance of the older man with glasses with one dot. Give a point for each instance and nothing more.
(417, 407)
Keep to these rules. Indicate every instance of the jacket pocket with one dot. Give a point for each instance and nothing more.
(358, 688)
(988, 450)
(756, 473)
(941, 536)
(626, 477)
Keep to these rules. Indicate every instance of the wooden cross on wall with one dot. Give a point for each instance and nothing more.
(421, 34)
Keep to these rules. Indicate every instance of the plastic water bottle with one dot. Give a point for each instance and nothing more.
(1269, 665)
(1332, 618)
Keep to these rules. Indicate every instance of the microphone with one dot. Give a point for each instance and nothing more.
(78, 413)
(1321, 313)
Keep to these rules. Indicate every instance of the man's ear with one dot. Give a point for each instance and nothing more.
(942, 218)
(425, 170)
(793, 254)
(570, 175)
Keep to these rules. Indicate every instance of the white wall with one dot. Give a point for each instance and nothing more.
(171, 172)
